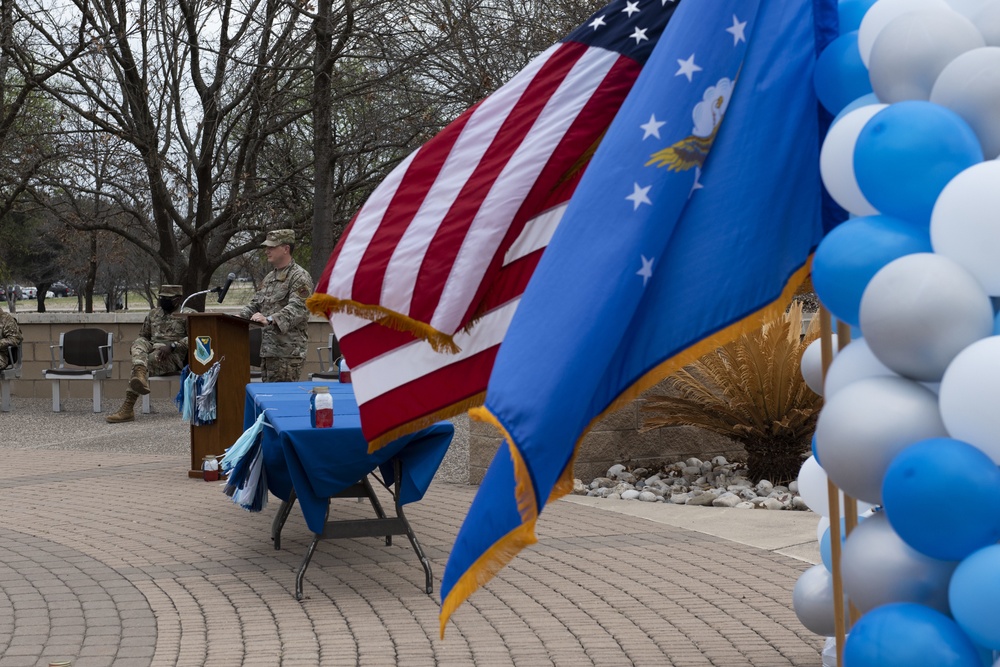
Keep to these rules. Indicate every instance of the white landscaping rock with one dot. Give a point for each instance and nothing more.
(649, 497)
(772, 504)
(726, 500)
(630, 494)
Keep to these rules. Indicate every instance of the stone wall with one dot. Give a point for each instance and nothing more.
(615, 439)
(41, 330)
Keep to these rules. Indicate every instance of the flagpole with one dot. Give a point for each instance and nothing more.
(850, 504)
(833, 496)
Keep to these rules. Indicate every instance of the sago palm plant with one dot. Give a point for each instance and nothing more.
(752, 391)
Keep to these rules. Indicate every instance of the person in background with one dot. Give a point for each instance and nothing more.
(160, 349)
(280, 307)
(10, 337)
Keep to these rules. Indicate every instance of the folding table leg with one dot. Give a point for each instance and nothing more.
(280, 518)
(377, 506)
(428, 578)
(309, 554)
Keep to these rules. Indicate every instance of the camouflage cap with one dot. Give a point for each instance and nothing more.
(171, 290)
(277, 237)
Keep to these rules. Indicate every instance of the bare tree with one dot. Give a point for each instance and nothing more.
(191, 102)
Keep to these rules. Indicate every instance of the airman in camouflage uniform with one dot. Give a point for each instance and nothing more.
(10, 336)
(161, 348)
(280, 305)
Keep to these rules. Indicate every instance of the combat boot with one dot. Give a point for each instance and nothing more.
(139, 383)
(126, 412)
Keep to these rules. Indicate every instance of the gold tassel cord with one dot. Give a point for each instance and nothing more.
(325, 305)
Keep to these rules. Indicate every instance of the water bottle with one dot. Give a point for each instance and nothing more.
(344, 373)
(321, 408)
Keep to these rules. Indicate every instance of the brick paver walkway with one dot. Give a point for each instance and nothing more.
(120, 559)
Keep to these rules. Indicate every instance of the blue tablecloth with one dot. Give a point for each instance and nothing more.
(321, 462)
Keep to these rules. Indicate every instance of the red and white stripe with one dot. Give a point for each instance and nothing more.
(398, 379)
(453, 234)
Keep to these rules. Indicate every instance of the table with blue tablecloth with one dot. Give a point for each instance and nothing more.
(313, 465)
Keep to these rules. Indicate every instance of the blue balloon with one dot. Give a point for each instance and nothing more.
(946, 526)
(815, 453)
(825, 549)
(863, 101)
(850, 13)
(973, 595)
(996, 325)
(840, 77)
(907, 153)
(853, 252)
(908, 635)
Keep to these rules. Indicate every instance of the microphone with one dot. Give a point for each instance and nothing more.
(225, 288)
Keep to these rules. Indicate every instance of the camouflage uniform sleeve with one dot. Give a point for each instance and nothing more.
(182, 342)
(146, 330)
(10, 333)
(247, 311)
(300, 287)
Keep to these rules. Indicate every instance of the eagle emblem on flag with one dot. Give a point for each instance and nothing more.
(691, 151)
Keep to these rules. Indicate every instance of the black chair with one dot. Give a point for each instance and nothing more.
(328, 358)
(84, 354)
(12, 372)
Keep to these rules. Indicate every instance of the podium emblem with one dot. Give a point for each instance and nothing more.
(203, 352)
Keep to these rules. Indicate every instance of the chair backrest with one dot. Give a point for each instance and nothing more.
(334, 346)
(256, 337)
(83, 347)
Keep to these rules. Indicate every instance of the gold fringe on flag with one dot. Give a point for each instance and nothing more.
(415, 425)
(325, 305)
(503, 551)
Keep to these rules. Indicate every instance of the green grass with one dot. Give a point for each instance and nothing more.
(238, 295)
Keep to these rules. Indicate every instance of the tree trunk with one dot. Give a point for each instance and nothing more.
(322, 227)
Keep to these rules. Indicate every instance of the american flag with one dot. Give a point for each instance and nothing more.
(422, 286)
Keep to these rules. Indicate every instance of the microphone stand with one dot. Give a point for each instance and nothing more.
(214, 290)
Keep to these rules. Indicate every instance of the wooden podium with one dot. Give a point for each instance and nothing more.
(228, 339)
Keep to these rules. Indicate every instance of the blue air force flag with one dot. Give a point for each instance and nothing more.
(693, 223)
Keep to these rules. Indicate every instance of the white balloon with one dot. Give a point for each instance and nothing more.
(821, 526)
(836, 160)
(913, 49)
(855, 362)
(866, 424)
(814, 490)
(965, 224)
(969, 8)
(921, 310)
(811, 364)
(878, 568)
(812, 600)
(988, 22)
(884, 11)
(968, 399)
(970, 86)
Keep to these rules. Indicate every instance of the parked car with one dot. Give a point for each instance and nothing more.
(59, 288)
(29, 292)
